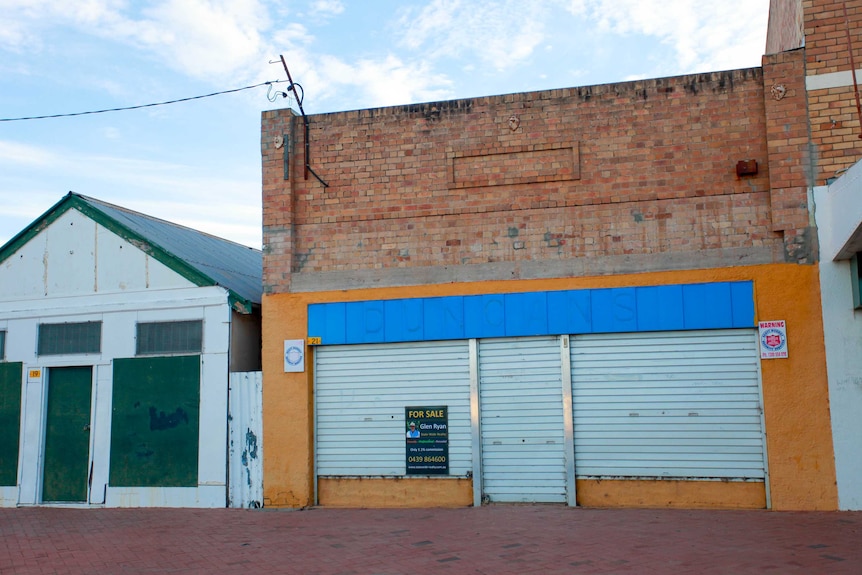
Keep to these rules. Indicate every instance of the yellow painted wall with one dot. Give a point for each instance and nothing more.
(799, 437)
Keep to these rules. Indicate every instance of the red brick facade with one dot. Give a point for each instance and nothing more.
(625, 177)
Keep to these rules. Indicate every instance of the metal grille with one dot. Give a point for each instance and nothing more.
(362, 390)
(671, 405)
(523, 447)
(170, 337)
(2, 345)
(70, 338)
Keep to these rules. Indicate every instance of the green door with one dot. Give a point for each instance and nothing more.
(67, 435)
(10, 421)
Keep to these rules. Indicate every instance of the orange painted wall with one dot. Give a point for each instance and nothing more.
(674, 494)
(396, 492)
(799, 439)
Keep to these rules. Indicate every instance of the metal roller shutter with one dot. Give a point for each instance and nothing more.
(361, 392)
(669, 405)
(522, 430)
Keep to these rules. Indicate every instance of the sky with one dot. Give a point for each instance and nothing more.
(197, 162)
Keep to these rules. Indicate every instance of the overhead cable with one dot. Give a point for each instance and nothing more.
(142, 105)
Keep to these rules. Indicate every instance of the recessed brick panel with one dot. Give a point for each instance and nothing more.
(517, 166)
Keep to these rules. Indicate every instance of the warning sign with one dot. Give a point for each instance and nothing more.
(773, 339)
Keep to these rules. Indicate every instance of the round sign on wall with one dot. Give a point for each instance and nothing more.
(294, 355)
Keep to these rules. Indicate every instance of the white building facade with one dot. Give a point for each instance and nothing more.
(116, 352)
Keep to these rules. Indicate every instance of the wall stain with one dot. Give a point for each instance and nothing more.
(144, 451)
(164, 421)
(250, 451)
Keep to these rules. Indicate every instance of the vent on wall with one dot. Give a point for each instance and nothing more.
(167, 337)
(70, 338)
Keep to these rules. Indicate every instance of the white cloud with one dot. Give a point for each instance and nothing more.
(706, 36)
(376, 83)
(292, 36)
(16, 153)
(202, 38)
(575, 7)
(12, 35)
(111, 133)
(500, 34)
(205, 38)
(327, 8)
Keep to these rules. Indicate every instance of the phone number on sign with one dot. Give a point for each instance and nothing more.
(427, 459)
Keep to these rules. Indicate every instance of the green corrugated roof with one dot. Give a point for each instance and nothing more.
(201, 258)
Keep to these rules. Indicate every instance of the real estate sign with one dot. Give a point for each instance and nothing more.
(427, 440)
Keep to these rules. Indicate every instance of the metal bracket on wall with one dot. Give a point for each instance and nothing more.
(299, 99)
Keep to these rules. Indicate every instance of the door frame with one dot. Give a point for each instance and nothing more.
(43, 430)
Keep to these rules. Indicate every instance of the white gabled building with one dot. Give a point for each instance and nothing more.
(118, 335)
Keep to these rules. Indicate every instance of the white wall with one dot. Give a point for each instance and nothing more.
(119, 314)
(838, 214)
(75, 255)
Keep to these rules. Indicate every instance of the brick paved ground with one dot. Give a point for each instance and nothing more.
(488, 540)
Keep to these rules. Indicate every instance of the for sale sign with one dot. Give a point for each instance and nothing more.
(427, 433)
(773, 339)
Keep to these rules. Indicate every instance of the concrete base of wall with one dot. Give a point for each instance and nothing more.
(529, 270)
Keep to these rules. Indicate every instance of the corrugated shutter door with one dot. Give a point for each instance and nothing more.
(670, 404)
(362, 390)
(523, 445)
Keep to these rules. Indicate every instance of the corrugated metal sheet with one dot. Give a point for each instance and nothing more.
(361, 392)
(674, 404)
(245, 488)
(522, 429)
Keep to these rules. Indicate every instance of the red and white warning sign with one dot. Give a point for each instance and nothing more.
(773, 339)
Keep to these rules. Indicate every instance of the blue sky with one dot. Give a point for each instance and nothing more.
(197, 163)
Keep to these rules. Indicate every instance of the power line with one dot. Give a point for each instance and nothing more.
(270, 83)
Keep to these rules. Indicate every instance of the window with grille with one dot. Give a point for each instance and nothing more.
(170, 337)
(70, 338)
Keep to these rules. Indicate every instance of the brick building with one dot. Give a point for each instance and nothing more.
(567, 283)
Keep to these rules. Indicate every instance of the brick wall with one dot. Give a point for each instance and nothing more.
(789, 152)
(835, 131)
(834, 117)
(826, 35)
(643, 172)
(785, 28)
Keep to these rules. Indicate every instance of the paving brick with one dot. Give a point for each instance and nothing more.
(494, 539)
